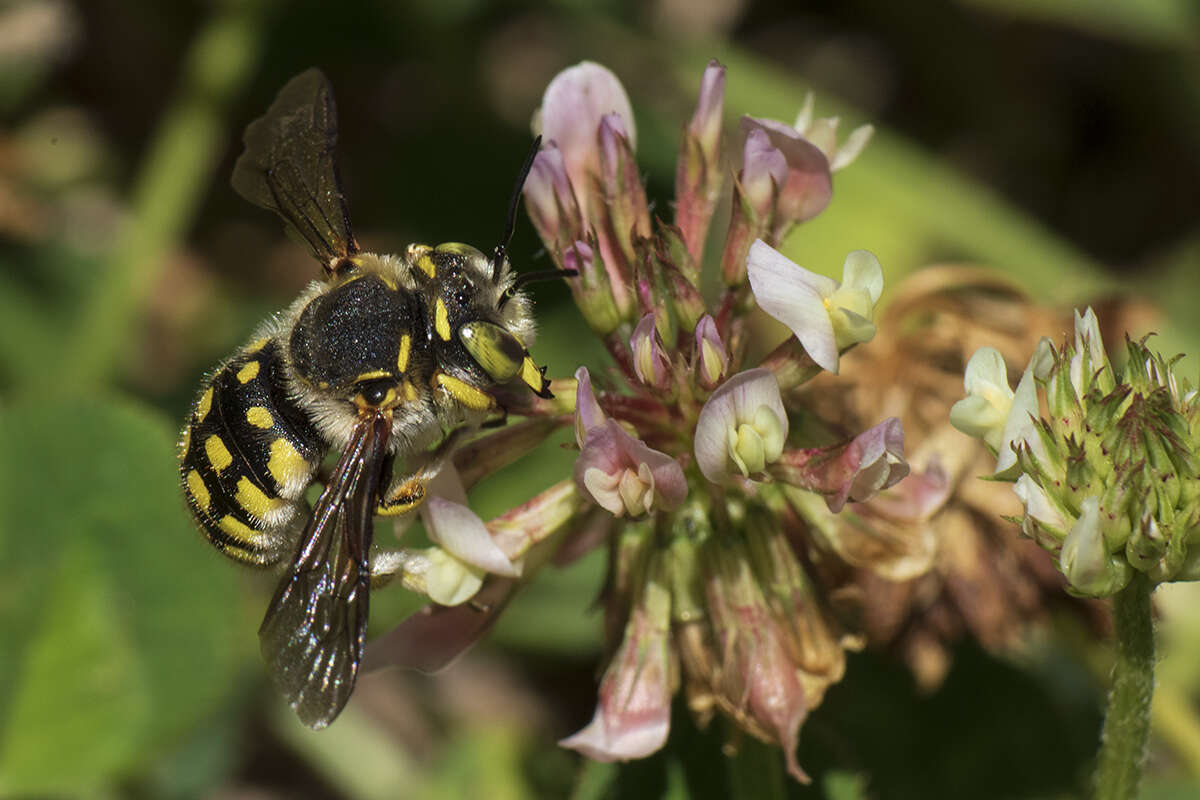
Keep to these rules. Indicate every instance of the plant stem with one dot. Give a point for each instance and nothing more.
(174, 172)
(1127, 721)
(755, 771)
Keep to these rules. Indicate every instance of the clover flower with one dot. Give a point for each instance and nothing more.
(935, 559)
(686, 447)
(1107, 473)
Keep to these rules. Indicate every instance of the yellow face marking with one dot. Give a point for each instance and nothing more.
(238, 529)
(402, 359)
(408, 392)
(257, 344)
(285, 464)
(199, 491)
(248, 372)
(426, 265)
(255, 500)
(259, 417)
(464, 392)
(370, 376)
(205, 404)
(531, 375)
(217, 452)
(441, 320)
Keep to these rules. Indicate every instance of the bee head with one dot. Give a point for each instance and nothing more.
(481, 323)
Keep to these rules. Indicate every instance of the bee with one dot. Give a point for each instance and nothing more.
(376, 361)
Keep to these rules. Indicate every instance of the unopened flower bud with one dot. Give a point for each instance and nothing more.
(712, 360)
(698, 176)
(592, 289)
(624, 195)
(650, 361)
(1085, 560)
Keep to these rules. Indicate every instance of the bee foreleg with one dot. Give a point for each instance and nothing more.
(406, 493)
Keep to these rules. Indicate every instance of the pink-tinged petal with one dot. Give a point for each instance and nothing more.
(795, 297)
(712, 359)
(459, 531)
(854, 470)
(878, 456)
(572, 107)
(809, 186)
(649, 357)
(547, 513)
(705, 124)
(698, 173)
(749, 399)
(764, 173)
(550, 201)
(759, 680)
(633, 714)
(432, 638)
(624, 476)
(621, 184)
(588, 413)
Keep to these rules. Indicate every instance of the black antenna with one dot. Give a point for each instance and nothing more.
(533, 277)
(511, 223)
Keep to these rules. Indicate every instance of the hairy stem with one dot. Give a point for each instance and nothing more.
(1127, 721)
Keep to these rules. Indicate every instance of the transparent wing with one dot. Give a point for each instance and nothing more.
(289, 167)
(313, 633)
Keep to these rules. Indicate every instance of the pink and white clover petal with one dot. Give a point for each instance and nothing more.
(871, 462)
(572, 107)
(705, 124)
(796, 297)
(809, 185)
(743, 415)
(550, 200)
(649, 359)
(764, 172)
(624, 476)
(588, 414)
(712, 359)
(460, 532)
(633, 714)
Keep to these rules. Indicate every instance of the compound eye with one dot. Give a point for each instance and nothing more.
(493, 348)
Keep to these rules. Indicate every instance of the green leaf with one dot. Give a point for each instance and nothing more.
(114, 616)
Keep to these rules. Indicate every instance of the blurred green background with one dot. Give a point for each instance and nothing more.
(1056, 141)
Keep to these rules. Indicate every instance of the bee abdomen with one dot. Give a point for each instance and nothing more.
(248, 453)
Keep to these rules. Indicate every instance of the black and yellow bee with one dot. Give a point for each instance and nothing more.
(376, 361)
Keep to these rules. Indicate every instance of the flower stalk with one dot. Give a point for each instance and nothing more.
(1127, 719)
